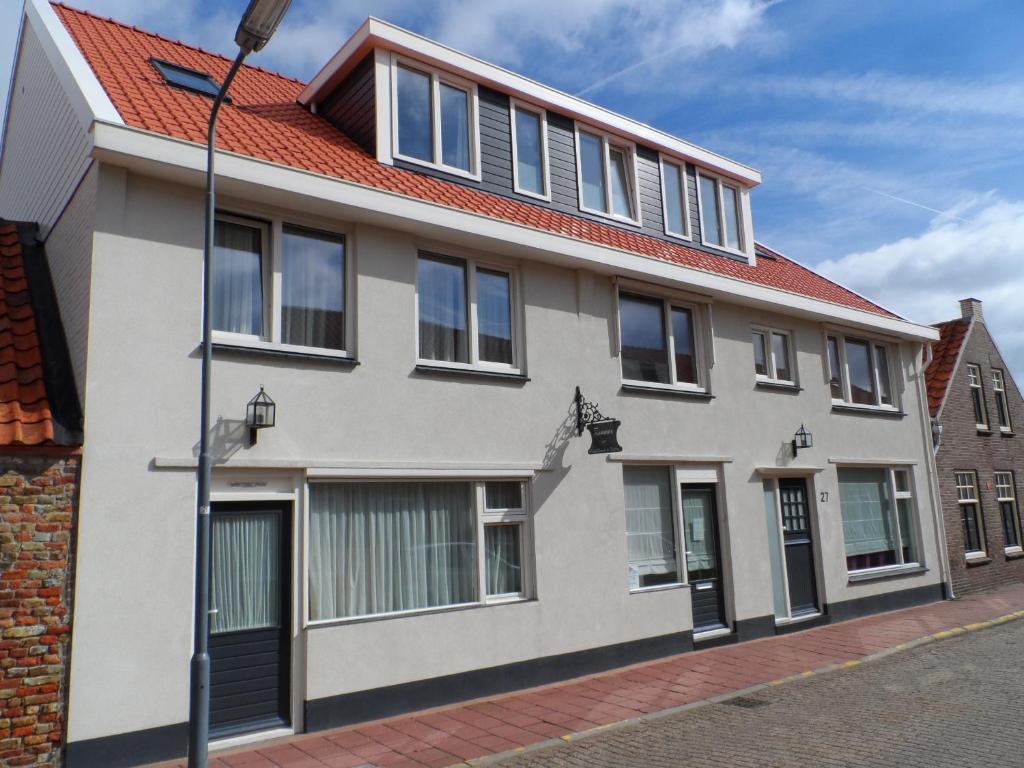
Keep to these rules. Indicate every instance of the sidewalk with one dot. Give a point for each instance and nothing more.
(458, 734)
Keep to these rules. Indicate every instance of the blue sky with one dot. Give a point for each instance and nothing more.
(889, 134)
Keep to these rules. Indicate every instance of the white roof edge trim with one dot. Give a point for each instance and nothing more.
(118, 145)
(87, 96)
(374, 32)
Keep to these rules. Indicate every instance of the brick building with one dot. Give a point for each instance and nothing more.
(976, 408)
(39, 466)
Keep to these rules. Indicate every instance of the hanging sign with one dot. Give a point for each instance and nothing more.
(604, 436)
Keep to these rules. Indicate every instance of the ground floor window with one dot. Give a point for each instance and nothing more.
(970, 512)
(878, 517)
(1006, 497)
(650, 527)
(387, 547)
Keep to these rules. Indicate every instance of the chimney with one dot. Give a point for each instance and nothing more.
(970, 309)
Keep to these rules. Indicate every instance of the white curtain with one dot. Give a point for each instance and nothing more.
(867, 511)
(441, 291)
(651, 535)
(312, 290)
(237, 278)
(384, 547)
(700, 531)
(504, 566)
(245, 584)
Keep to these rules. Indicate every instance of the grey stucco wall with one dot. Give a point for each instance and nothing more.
(142, 391)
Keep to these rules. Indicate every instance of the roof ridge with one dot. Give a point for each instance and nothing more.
(801, 265)
(173, 41)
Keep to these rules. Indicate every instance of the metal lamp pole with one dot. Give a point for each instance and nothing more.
(258, 24)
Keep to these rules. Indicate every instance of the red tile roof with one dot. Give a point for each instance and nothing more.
(265, 121)
(945, 353)
(25, 417)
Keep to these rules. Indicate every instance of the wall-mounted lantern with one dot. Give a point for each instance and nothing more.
(802, 439)
(260, 413)
(603, 431)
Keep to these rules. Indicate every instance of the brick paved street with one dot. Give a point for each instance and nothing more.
(958, 703)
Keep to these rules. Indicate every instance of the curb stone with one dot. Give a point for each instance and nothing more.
(724, 697)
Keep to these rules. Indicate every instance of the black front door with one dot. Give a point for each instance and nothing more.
(703, 558)
(250, 592)
(796, 529)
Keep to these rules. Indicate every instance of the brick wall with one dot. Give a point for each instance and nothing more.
(963, 449)
(38, 495)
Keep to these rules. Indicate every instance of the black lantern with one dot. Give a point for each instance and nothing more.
(802, 439)
(260, 413)
(603, 431)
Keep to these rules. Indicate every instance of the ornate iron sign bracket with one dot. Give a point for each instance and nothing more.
(603, 430)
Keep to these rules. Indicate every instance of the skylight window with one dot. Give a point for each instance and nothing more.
(189, 79)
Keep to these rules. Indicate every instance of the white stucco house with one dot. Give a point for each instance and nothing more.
(420, 256)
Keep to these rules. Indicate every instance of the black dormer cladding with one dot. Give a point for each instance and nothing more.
(351, 107)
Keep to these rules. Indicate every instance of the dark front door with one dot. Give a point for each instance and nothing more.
(250, 670)
(796, 530)
(703, 558)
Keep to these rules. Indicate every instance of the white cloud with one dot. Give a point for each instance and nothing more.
(924, 277)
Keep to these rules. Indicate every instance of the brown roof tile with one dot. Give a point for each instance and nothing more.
(265, 121)
(945, 353)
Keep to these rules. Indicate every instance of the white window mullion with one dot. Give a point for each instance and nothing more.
(481, 548)
(720, 195)
(273, 301)
(472, 320)
(666, 319)
(895, 512)
(435, 117)
(683, 572)
(606, 172)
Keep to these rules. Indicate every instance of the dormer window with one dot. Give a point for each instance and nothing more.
(530, 151)
(435, 119)
(676, 198)
(720, 213)
(607, 176)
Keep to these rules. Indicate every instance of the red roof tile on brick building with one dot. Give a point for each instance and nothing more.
(265, 121)
(25, 417)
(945, 354)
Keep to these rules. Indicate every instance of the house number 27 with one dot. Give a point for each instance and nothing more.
(824, 497)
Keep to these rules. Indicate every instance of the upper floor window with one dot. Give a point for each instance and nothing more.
(607, 176)
(676, 199)
(977, 396)
(659, 342)
(1002, 406)
(1006, 497)
(435, 119)
(530, 151)
(877, 506)
(970, 513)
(465, 313)
(859, 372)
(773, 356)
(720, 213)
(295, 295)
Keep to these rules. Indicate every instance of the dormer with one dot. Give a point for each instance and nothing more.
(422, 106)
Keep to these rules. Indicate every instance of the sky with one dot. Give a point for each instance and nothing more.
(888, 134)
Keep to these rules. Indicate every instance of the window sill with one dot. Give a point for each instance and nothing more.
(482, 373)
(658, 588)
(1007, 433)
(649, 389)
(1012, 553)
(868, 410)
(778, 386)
(977, 558)
(984, 430)
(284, 351)
(449, 169)
(856, 577)
(724, 249)
(613, 217)
(319, 623)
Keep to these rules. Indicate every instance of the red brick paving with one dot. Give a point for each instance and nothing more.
(450, 736)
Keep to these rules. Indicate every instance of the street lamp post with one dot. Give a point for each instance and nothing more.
(254, 31)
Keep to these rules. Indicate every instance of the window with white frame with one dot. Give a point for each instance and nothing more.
(879, 517)
(607, 176)
(773, 356)
(378, 548)
(530, 151)
(651, 535)
(1006, 498)
(721, 215)
(1002, 406)
(466, 313)
(977, 396)
(294, 295)
(659, 342)
(860, 372)
(676, 199)
(435, 119)
(970, 513)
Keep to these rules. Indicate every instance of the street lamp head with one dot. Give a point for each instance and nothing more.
(259, 23)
